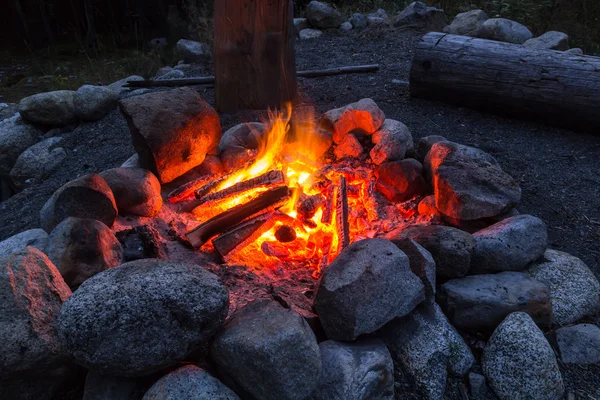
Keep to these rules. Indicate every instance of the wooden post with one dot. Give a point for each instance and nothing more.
(255, 65)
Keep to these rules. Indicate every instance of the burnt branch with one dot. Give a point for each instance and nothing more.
(341, 215)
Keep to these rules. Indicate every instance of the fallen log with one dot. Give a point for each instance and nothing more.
(546, 85)
(230, 218)
(210, 80)
(341, 215)
(270, 178)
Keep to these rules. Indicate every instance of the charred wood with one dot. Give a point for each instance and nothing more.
(341, 215)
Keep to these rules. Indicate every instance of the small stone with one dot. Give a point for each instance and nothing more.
(579, 344)
(309, 33)
(505, 30)
(173, 74)
(509, 245)
(380, 13)
(37, 162)
(519, 363)
(479, 303)
(119, 86)
(269, 352)
(427, 207)
(355, 371)
(417, 15)
(427, 347)
(82, 248)
(479, 387)
(348, 147)
(346, 26)
(467, 24)
(424, 145)
(162, 71)
(323, 16)
(189, 383)
(399, 181)
(374, 21)
(15, 137)
(191, 51)
(31, 295)
(392, 142)
(94, 102)
(363, 116)
(85, 197)
(468, 183)
(551, 40)
(136, 190)
(179, 305)
(300, 24)
(451, 248)
(367, 285)
(574, 289)
(358, 21)
(34, 237)
(51, 108)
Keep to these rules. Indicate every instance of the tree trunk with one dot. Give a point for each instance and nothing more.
(546, 85)
(255, 64)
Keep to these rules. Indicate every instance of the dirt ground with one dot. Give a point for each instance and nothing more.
(559, 170)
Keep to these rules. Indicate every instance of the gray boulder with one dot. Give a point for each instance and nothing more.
(300, 24)
(94, 102)
(468, 183)
(467, 24)
(191, 51)
(380, 13)
(392, 142)
(401, 180)
(519, 363)
(239, 144)
(51, 108)
(424, 145)
(136, 190)
(369, 284)
(504, 30)
(418, 16)
(451, 248)
(38, 162)
(358, 21)
(119, 86)
(309, 33)
(8, 110)
(15, 137)
(323, 16)
(348, 147)
(427, 347)
(479, 303)
(102, 387)
(355, 371)
(551, 40)
(364, 116)
(269, 352)
(189, 383)
(579, 344)
(142, 316)
(85, 197)
(509, 245)
(34, 237)
(82, 248)
(31, 295)
(574, 290)
(422, 264)
(374, 21)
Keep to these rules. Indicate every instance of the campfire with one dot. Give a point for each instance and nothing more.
(286, 203)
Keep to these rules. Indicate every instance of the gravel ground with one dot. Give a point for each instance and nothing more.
(559, 170)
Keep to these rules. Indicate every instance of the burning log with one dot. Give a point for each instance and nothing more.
(241, 235)
(341, 215)
(328, 211)
(285, 234)
(270, 178)
(187, 191)
(230, 218)
(309, 206)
